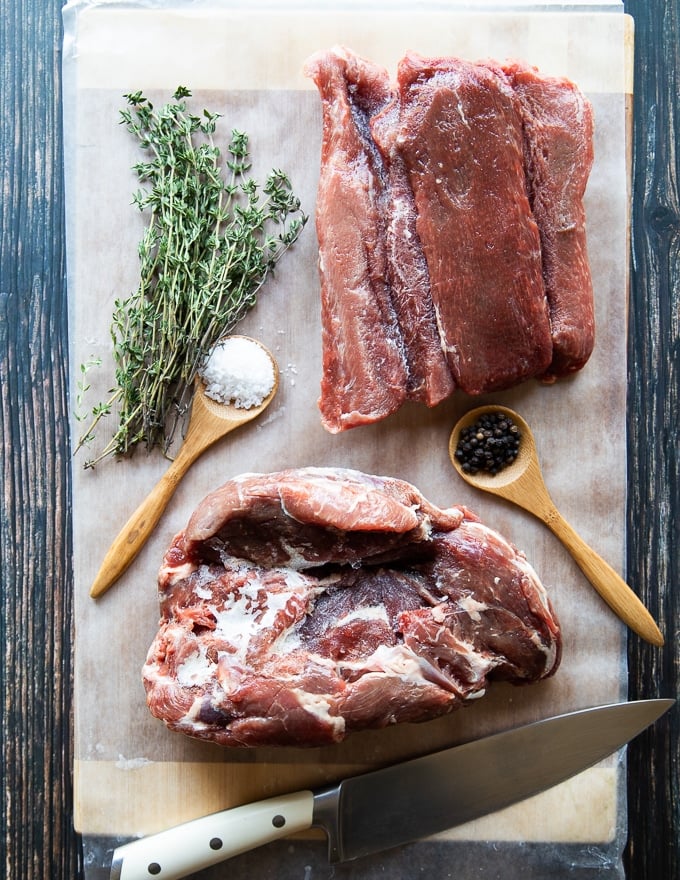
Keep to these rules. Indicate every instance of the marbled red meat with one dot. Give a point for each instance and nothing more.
(429, 379)
(461, 140)
(303, 605)
(558, 130)
(379, 336)
(451, 230)
(364, 376)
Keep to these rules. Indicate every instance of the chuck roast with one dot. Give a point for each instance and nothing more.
(303, 605)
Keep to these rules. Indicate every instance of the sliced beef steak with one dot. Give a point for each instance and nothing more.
(460, 137)
(379, 336)
(300, 606)
(364, 372)
(451, 231)
(429, 378)
(558, 127)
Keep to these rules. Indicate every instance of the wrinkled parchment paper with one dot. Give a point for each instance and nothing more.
(131, 775)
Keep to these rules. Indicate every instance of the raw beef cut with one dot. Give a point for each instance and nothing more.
(451, 227)
(429, 378)
(460, 137)
(558, 127)
(303, 605)
(379, 337)
(364, 375)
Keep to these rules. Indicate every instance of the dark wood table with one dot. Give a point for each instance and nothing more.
(35, 538)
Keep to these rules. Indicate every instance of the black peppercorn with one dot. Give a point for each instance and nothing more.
(489, 445)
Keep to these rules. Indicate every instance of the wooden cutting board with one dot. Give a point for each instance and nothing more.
(131, 775)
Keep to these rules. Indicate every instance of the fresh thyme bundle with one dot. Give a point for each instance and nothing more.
(213, 237)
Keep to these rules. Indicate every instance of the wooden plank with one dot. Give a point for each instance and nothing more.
(654, 428)
(35, 570)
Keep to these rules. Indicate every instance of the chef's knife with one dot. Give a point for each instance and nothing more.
(384, 808)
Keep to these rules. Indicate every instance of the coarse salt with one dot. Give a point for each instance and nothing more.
(238, 371)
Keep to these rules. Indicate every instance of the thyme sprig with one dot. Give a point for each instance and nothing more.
(214, 235)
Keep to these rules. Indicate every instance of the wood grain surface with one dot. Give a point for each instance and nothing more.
(35, 538)
(654, 430)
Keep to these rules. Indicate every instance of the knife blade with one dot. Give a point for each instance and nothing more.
(399, 804)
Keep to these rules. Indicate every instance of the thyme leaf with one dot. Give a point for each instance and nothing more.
(213, 237)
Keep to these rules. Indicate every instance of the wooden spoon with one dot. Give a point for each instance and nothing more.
(522, 483)
(210, 421)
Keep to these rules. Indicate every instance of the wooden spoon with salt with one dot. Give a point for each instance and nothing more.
(522, 483)
(209, 422)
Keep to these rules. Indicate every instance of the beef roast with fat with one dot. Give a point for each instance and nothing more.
(300, 606)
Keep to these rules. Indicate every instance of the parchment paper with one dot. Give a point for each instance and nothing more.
(131, 775)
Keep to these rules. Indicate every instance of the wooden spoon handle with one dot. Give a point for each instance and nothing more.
(135, 533)
(613, 589)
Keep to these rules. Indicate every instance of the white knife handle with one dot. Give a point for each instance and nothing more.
(203, 842)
